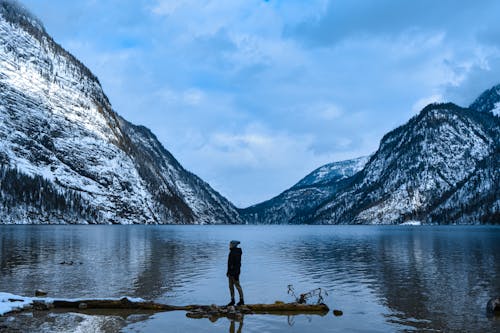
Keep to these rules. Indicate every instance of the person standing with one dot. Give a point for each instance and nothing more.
(233, 271)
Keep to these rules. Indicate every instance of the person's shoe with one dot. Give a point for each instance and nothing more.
(231, 303)
(241, 302)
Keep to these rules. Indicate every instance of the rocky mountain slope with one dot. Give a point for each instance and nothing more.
(418, 168)
(65, 154)
(440, 167)
(306, 195)
(489, 101)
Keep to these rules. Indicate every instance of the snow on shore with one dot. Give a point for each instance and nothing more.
(10, 302)
(412, 222)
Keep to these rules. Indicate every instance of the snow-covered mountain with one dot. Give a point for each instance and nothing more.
(488, 101)
(443, 166)
(333, 172)
(418, 168)
(306, 195)
(65, 154)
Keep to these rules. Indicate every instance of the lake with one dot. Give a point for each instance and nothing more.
(383, 278)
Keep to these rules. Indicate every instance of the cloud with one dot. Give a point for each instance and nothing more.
(330, 112)
(258, 159)
(168, 8)
(423, 102)
(479, 77)
(354, 19)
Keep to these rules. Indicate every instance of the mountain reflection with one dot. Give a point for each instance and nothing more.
(97, 262)
(409, 271)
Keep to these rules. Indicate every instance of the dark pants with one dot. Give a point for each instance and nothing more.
(235, 282)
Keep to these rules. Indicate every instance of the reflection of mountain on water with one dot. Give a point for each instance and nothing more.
(428, 278)
(98, 262)
(173, 264)
(82, 262)
(418, 268)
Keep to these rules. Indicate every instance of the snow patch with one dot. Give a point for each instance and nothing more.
(412, 222)
(10, 302)
(496, 110)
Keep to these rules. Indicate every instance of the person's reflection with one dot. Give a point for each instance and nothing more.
(232, 326)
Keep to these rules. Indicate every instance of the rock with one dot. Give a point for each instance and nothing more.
(493, 306)
(40, 306)
(82, 306)
(337, 313)
(195, 315)
(39, 293)
(245, 310)
(125, 301)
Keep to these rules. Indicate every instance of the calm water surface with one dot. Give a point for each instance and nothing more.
(384, 279)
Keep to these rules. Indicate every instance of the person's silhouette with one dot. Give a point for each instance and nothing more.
(233, 271)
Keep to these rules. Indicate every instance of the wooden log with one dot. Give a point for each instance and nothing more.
(125, 303)
(194, 311)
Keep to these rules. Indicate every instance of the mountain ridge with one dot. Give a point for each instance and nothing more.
(57, 123)
(310, 191)
(416, 175)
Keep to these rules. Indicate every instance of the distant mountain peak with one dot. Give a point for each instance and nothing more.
(333, 172)
(488, 101)
(309, 192)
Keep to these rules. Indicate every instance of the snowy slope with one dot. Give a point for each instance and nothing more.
(420, 164)
(57, 123)
(333, 172)
(307, 194)
(441, 167)
(476, 199)
(488, 101)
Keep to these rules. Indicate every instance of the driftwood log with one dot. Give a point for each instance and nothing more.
(213, 312)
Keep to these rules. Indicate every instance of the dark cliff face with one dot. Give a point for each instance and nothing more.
(60, 134)
(440, 167)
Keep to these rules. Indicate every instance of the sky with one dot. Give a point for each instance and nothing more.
(252, 95)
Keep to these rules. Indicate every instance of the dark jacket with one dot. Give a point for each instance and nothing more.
(234, 262)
